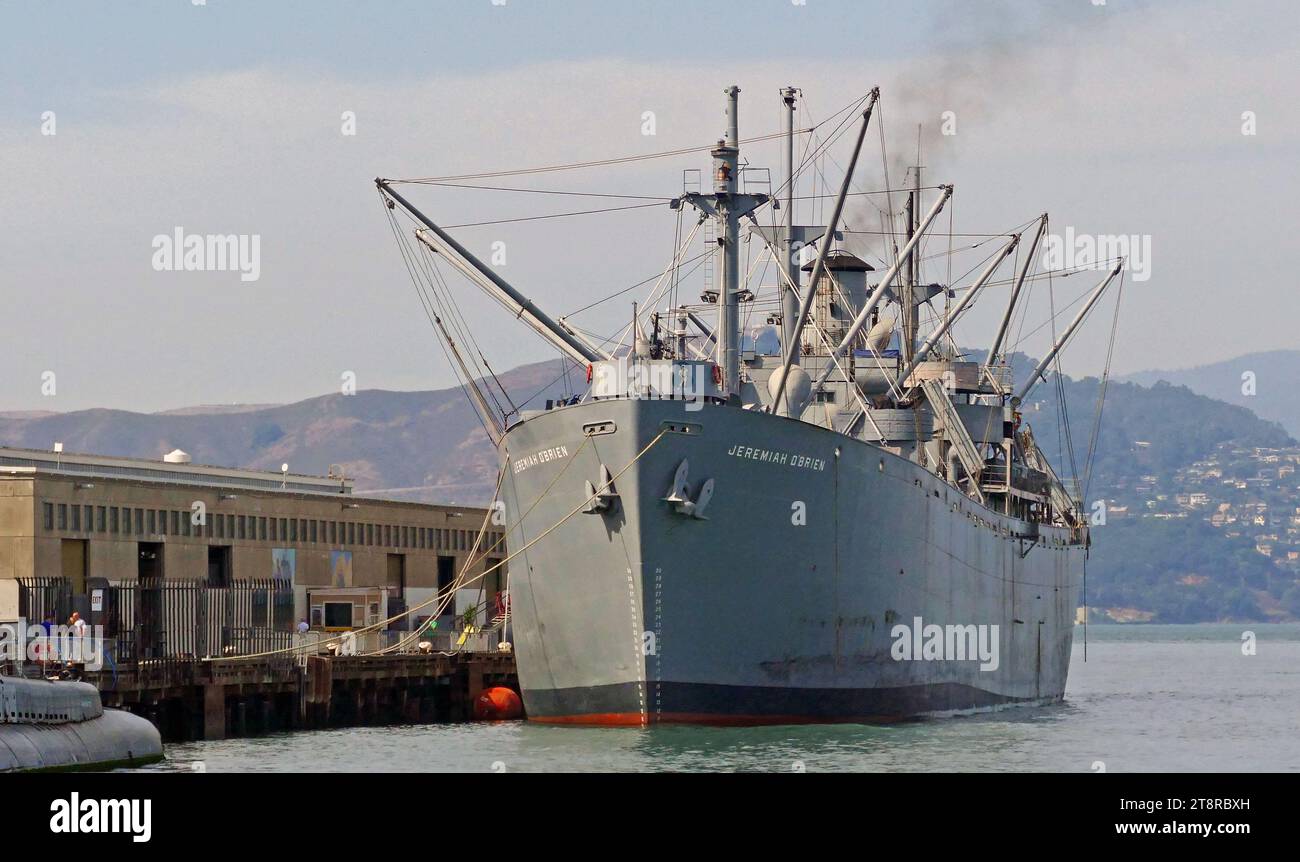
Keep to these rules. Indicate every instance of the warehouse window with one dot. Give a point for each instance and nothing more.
(76, 518)
(47, 513)
(101, 519)
(63, 516)
(112, 519)
(261, 528)
(162, 521)
(311, 525)
(139, 521)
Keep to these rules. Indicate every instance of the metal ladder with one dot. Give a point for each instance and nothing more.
(954, 431)
(710, 293)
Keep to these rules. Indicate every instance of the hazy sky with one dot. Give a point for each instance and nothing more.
(1121, 118)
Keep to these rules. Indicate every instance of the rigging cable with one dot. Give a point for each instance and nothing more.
(1094, 438)
(580, 165)
(430, 312)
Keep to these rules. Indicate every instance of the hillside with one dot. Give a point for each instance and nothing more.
(1158, 553)
(425, 446)
(1168, 461)
(1275, 397)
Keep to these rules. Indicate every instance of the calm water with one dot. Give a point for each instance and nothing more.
(1151, 698)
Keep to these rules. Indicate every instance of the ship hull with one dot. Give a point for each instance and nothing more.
(810, 591)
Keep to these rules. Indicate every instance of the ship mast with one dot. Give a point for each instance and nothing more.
(726, 162)
(727, 206)
(907, 292)
(791, 349)
(789, 298)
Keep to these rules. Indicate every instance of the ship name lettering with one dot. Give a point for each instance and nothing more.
(542, 457)
(777, 456)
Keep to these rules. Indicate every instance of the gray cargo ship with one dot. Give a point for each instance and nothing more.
(855, 528)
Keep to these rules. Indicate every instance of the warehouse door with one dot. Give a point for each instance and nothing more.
(74, 565)
(396, 583)
(397, 573)
(218, 566)
(149, 601)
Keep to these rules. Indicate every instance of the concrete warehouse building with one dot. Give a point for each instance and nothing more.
(81, 523)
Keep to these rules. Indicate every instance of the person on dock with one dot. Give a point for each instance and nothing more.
(42, 648)
(78, 645)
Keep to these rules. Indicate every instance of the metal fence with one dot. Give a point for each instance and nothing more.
(44, 597)
(156, 618)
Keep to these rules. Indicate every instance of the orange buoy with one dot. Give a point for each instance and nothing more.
(498, 704)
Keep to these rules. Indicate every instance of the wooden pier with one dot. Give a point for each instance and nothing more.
(196, 699)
